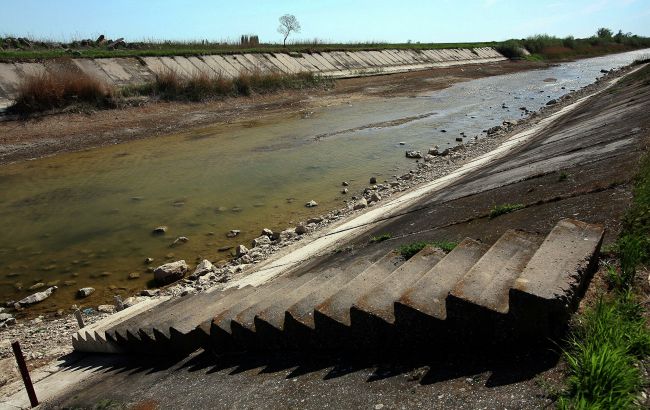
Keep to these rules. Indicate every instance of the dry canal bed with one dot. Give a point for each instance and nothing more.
(85, 218)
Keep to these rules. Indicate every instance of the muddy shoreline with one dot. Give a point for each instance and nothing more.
(68, 132)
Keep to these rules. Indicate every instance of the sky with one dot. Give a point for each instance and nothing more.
(328, 20)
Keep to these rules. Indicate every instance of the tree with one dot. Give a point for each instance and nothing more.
(604, 33)
(288, 24)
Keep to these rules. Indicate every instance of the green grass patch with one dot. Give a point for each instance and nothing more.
(502, 209)
(380, 238)
(563, 176)
(603, 355)
(610, 340)
(409, 250)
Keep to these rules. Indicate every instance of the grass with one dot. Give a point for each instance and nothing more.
(612, 338)
(409, 250)
(502, 209)
(50, 90)
(170, 85)
(197, 48)
(380, 238)
(563, 176)
(603, 355)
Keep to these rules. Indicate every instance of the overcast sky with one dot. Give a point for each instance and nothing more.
(333, 20)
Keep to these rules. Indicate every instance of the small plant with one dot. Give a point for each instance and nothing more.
(563, 176)
(505, 209)
(409, 250)
(380, 238)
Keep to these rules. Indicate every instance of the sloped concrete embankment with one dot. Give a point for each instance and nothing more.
(337, 64)
(522, 287)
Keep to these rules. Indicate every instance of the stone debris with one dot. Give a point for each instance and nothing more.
(37, 297)
(85, 292)
(170, 272)
(240, 251)
(413, 154)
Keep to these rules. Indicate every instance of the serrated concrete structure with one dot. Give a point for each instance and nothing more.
(523, 286)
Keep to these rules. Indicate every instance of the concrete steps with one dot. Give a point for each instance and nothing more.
(523, 286)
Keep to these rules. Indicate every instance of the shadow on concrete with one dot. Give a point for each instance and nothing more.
(497, 367)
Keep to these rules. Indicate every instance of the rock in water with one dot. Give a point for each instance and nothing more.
(170, 272)
(413, 154)
(37, 297)
(311, 204)
(85, 292)
(203, 268)
(373, 180)
(267, 232)
(179, 240)
(233, 232)
(159, 230)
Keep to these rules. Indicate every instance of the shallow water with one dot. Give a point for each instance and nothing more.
(87, 216)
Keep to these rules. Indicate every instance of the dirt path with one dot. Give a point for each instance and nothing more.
(48, 135)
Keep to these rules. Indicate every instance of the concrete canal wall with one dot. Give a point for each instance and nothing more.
(338, 64)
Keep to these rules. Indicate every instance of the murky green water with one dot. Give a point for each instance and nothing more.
(87, 217)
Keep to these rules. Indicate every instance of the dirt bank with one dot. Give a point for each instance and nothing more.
(48, 135)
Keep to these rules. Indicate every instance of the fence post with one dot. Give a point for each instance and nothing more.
(22, 366)
(80, 319)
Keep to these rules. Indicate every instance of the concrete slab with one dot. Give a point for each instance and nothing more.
(239, 68)
(9, 78)
(488, 282)
(281, 67)
(429, 294)
(114, 70)
(337, 307)
(154, 64)
(244, 62)
(220, 66)
(172, 65)
(329, 57)
(30, 69)
(201, 66)
(361, 62)
(187, 65)
(289, 62)
(258, 63)
(326, 64)
(379, 300)
(550, 286)
(314, 62)
(91, 68)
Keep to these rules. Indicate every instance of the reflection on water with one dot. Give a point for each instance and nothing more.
(85, 219)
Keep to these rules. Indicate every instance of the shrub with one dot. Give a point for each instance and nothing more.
(504, 209)
(58, 89)
(380, 238)
(511, 49)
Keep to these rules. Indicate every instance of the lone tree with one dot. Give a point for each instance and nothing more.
(288, 24)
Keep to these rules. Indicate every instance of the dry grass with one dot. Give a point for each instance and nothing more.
(58, 89)
(169, 85)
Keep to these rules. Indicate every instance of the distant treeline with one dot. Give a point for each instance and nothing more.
(548, 46)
